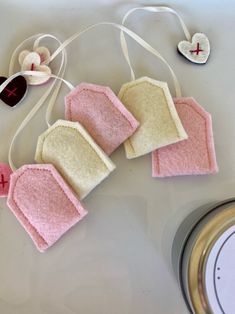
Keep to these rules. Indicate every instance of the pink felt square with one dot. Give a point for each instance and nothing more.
(193, 156)
(5, 172)
(102, 114)
(43, 203)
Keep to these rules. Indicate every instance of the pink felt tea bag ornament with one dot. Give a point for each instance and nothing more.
(43, 203)
(70, 148)
(38, 196)
(102, 114)
(195, 155)
(148, 100)
(191, 157)
(195, 49)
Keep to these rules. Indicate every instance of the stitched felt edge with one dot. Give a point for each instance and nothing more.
(182, 135)
(82, 132)
(190, 101)
(108, 93)
(37, 238)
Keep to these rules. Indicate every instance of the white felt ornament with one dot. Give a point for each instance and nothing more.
(35, 60)
(196, 51)
(32, 62)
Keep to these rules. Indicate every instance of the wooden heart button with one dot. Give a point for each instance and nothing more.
(14, 92)
(196, 51)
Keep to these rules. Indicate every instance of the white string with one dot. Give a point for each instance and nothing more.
(54, 96)
(134, 36)
(60, 73)
(155, 9)
(159, 9)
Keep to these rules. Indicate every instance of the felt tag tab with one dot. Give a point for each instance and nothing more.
(5, 172)
(102, 114)
(81, 162)
(43, 203)
(152, 105)
(193, 156)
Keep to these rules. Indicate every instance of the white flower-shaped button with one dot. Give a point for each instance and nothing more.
(35, 61)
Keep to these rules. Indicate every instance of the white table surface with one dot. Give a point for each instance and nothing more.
(116, 261)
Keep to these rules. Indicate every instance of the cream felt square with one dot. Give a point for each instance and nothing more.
(81, 162)
(151, 104)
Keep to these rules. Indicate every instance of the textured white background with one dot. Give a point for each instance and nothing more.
(117, 260)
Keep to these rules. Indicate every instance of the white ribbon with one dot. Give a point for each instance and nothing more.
(159, 9)
(134, 36)
(154, 9)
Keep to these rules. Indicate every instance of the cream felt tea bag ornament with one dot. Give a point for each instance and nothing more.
(70, 148)
(146, 100)
(196, 155)
(151, 103)
(195, 49)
